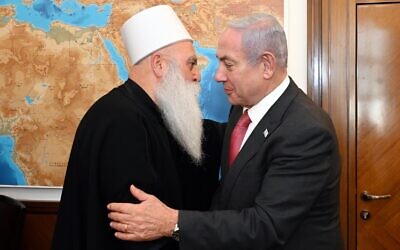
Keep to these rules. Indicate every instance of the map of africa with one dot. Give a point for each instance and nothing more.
(57, 57)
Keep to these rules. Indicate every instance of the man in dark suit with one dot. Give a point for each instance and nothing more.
(281, 190)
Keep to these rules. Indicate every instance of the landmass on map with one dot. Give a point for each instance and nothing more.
(58, 57)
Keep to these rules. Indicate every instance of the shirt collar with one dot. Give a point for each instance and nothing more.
(257, 112)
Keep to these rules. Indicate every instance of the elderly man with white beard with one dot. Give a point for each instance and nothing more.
(148, 132)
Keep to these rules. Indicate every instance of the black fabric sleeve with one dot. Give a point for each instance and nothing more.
(125, 160)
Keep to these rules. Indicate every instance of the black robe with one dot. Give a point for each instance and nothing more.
(123, 140)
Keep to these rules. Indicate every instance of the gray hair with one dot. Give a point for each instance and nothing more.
(262, 32)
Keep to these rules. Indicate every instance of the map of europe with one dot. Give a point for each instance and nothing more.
(57, 57)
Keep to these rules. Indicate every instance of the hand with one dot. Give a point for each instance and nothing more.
(149, 220)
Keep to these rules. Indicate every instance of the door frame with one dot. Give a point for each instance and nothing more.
(331, 59)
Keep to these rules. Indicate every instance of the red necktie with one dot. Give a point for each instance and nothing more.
(237, 136)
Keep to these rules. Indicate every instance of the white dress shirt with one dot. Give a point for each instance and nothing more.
(257, 112)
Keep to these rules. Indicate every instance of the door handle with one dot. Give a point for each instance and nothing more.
(365, 196)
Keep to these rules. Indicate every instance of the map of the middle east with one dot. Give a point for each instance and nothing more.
(57, 57)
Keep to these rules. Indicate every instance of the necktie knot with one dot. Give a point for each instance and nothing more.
(244, 120)
(237, 136)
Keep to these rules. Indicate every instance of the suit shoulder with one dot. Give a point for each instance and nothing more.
(308, 108)
(304, 114)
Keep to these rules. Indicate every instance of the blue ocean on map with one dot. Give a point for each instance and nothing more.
(117, 58)
(10, 173)
(41, 13)
(213, 101)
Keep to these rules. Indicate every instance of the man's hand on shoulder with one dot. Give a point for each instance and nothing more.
(149, 220)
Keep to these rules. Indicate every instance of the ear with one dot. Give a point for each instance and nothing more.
(268, 62)
(157, 65)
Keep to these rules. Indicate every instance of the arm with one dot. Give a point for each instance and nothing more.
(289, 190)
(149, 220)
(200, 186)
(124, 159)
(298, 173)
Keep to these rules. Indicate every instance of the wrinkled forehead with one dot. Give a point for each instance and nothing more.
(229, 41)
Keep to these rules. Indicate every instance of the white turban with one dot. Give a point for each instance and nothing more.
(150, 30)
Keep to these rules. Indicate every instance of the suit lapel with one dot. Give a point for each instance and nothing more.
(269, 122)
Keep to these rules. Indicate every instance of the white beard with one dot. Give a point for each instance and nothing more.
(179, 105)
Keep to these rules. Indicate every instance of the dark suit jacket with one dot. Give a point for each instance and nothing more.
(282, 191)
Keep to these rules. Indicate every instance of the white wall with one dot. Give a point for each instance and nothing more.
(296, 31)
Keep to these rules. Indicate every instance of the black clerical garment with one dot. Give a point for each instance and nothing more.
(123, 140)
